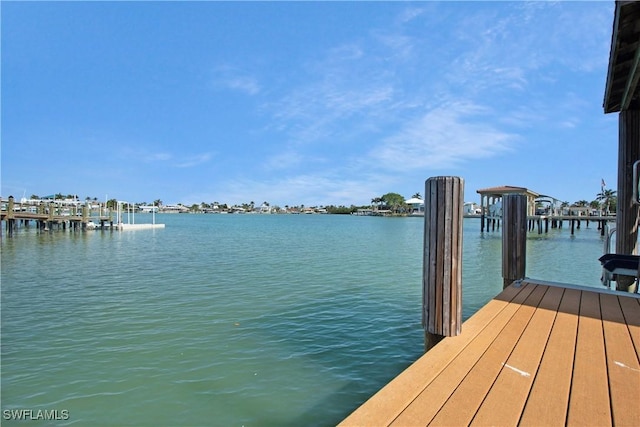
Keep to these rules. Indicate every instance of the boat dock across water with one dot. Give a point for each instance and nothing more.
(60, 215)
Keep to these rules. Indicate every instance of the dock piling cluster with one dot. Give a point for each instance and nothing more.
(52, 215)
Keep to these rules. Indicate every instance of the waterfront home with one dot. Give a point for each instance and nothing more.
(175, 209)
(417, 206)
(472, 208)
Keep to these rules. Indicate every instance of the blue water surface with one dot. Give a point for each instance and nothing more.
(234, 320)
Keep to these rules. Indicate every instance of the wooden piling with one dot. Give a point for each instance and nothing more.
(442, 261)
(11, 216)
(85, 215)
(52, 208)
(514, 238)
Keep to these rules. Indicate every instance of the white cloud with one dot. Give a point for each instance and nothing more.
(194, 160)
(400, 46)
(570, 123)
(229, 77)
(284, 160)
(322, 110)
(244, 84)
(162, 157)
(309, 189)
(409, 14)
(157, 157)
(442, 138)
(409, 77)
(144, 155)
(342, 53)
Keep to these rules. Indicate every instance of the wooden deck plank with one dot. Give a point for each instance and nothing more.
(631, 311)
(542, 407)
(508, 395)
(583, 361)
(622, 364)
(427, 404)
(461, 407)
(589, 396)
(383, 407)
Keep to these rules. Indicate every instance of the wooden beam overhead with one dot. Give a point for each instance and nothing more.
(632, 82)
(621, 89)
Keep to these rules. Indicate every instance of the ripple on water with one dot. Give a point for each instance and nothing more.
(229, 319)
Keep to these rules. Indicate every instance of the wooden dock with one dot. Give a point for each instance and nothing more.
(48, 215)
(539, 353)
(544, 222)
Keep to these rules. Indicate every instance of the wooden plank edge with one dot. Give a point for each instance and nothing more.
(385, 405)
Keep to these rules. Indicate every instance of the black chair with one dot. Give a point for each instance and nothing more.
(619, 265)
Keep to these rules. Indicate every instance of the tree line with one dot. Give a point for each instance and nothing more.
(606, 201)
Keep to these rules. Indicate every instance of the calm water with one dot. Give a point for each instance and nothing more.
(231, 320)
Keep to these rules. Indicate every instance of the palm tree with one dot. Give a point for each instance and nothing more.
(607, 197)
(375, 202)
(417, 196)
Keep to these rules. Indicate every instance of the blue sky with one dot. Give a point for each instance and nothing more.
(312, 103)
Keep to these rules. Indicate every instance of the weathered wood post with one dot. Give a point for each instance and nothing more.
(85, 215)
(514, 238)
(442, 260)
(11, 222)
(52, 208)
